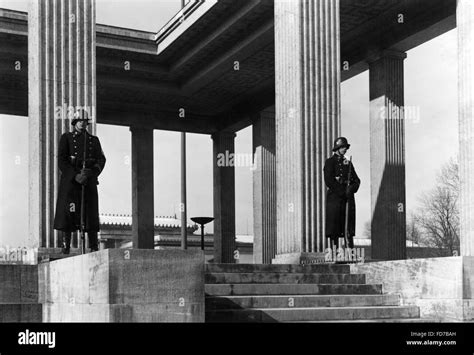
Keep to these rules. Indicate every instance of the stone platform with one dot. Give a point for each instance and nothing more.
(443, 288)
(124, 285)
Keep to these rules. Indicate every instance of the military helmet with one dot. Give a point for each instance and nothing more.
(80, 116)
(339, 143)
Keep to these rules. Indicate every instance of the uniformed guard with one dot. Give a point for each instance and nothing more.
(73, 176)
(336, 173)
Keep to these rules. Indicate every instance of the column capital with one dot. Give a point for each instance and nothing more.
(140, 129)
(375, 55)
(223, 134)
(267, 113)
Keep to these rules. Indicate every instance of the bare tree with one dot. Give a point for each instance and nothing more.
(414, 233)
(439, 215)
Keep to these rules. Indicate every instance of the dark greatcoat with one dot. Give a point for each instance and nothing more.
(70, 158)
(338, 166)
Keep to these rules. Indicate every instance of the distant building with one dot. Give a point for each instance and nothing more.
(116, 232)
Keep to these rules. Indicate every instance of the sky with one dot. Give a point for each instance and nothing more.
(431, 137)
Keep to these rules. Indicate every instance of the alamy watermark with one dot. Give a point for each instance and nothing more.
(345, 255)
(406, 113)
(228, 159)
(65, 111)
(37, 338)
(18, 255)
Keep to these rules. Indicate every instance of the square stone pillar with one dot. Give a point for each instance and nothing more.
(224, 197)
(387, 156)
(264, 187)
(307, 84)
(465, 24)
(143, 218)
(61, 80)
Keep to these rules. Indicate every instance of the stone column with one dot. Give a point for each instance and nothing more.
(465, 24)
(264, 188)
(387, 156)
(61, 79)
(307, 83)
(224, 197)
(143, 217)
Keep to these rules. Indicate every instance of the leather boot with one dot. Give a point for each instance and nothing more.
(66, 243)
(350, 240)
(93, 243)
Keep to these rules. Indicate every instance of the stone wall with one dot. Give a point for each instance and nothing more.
(443, 287)
(414, 252)
(131, 285)
(19, 294)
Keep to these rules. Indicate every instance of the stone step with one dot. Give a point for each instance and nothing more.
(21, 312)
(388, 320)
(284, 278)
(311, 314)
(291, 289)
(280, 268)
(240, 302)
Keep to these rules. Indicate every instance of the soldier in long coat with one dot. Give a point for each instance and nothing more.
(336, 171)
(73, 176)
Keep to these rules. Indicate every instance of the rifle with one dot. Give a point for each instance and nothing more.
(83, 196)
(346, 222)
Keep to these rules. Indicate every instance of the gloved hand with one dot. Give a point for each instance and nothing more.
(81, 179)
(353, 188)
(349, 193)
(87, 172)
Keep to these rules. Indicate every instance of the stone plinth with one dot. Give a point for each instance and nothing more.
(124, 285)
(299, 258)
(443, 288)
